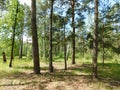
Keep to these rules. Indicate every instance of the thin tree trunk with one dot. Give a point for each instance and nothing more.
(103, 56)
(67, 51)
(21, 48)
(26, 47)
(44, 43)
(103, 49)
(83, 46)
(51, 17)
(65, 58)
(35, 40)
(118, 42)
(73, 36)
(21, 42)
(95, 43)
(40, 47)
(4, 57)
(13, 37)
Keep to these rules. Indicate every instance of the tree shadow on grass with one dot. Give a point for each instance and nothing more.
(24, 67)
(109, 70)
(30, 67)
(30, 81)
(84, 68)
(109, 73)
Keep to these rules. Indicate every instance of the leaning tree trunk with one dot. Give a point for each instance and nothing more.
(35, 48)
(13, 37)
(73, 35)
(50, 37)
(95, 43)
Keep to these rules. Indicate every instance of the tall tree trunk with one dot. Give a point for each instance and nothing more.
(68, 50)
(83, 44)
(44, 42)
(26, 47)
(65, 58)
(21, 42)
(95, 43)
(50, 37)
(103, 49)
(103, 56)
(73, 36)
(13, 36)
(35, 40)
(118, 42)
(21, 48)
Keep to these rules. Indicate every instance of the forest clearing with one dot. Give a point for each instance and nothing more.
(59, 44)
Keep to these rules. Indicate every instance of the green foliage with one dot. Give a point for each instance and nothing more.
(6, 25)
(110, 71)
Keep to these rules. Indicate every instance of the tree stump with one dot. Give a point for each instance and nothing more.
(4, 57)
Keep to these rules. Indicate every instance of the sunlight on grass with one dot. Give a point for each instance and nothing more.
(17, 68)
(109, 74)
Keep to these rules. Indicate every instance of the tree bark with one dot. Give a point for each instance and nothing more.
(13, 37)
(95, 43)
(73, 36)
(50, 37)
(35, 40)
(65, 58)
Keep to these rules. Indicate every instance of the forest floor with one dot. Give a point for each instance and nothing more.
(77, 77)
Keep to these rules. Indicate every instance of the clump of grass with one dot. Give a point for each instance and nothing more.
(110, 70)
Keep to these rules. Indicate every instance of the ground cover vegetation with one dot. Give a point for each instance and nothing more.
(60, 45)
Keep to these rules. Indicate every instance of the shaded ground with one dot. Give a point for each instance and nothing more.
(77, 77)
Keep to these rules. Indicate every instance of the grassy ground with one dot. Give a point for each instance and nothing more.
(77, 77)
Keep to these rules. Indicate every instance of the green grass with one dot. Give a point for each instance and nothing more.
(108, 75)
(110, 70)
(17, 67)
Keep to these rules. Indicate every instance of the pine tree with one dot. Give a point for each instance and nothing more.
(35, 40)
